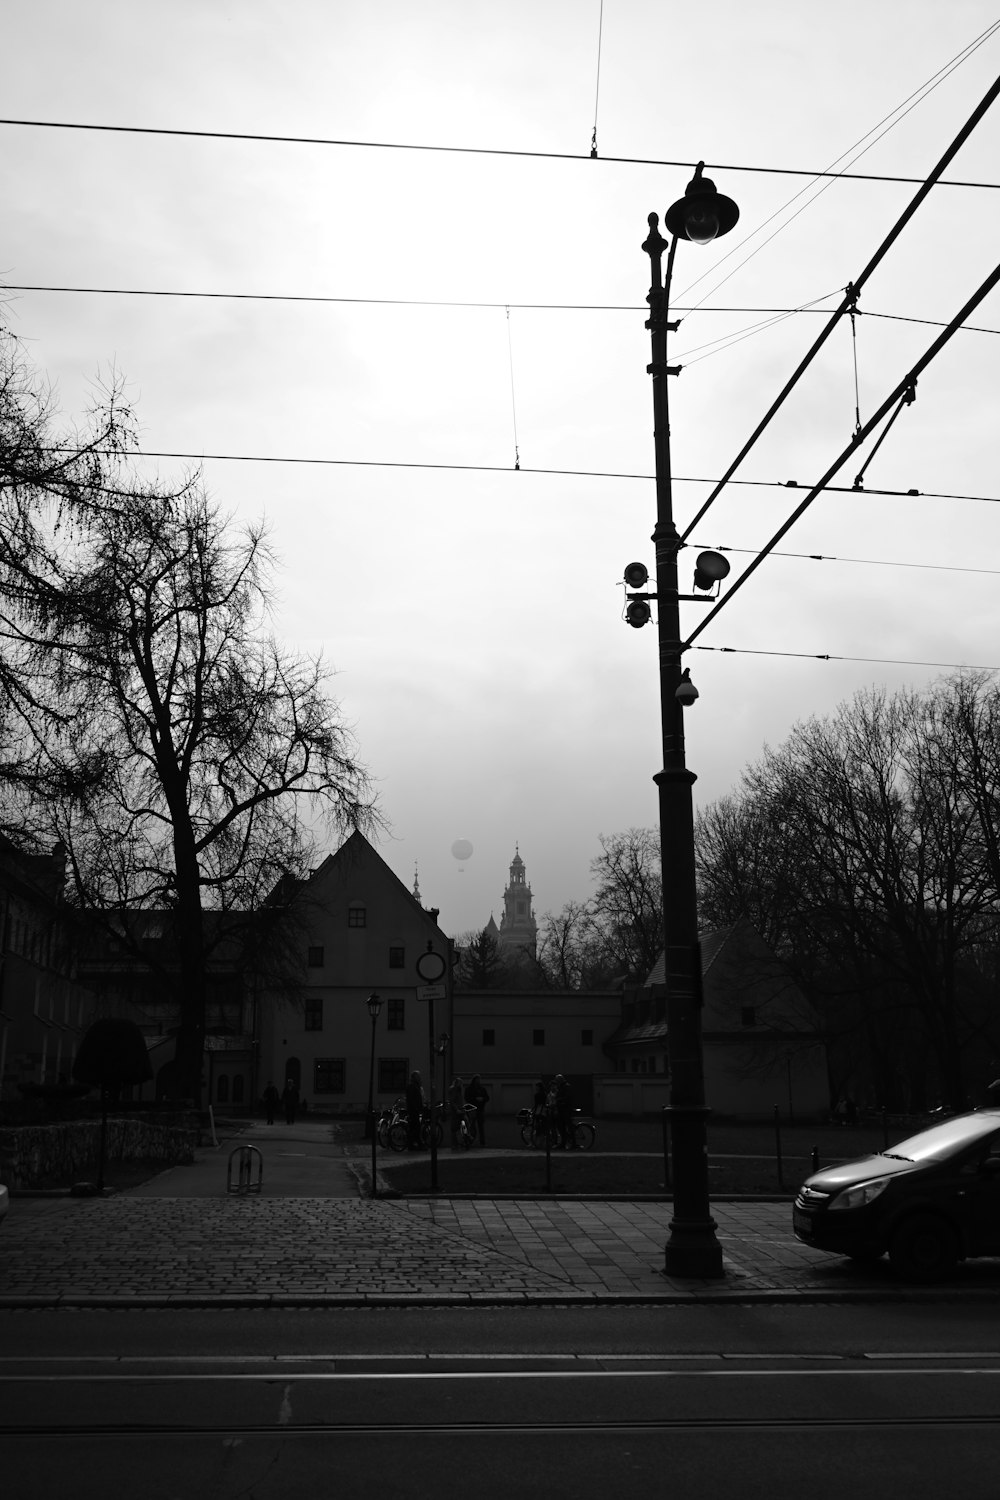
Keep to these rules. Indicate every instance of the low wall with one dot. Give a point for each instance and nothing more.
(33, 1154)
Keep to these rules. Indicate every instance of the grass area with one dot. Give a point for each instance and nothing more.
(585, 1174)
(628, 1162)
(120, 1175)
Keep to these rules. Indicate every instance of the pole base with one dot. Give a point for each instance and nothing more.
(693, 1251)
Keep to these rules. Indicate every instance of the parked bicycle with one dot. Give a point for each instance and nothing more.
(399, 1130)
(535, 1129)
(387, 1118)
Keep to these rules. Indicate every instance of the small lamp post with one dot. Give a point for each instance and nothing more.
(374, 1004)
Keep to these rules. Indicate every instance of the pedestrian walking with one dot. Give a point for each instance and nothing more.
(414, 1110)
(291, 1100)
(538, 1106)
(456, 1103)
(477, 1095)
(271, 1097)
(564, 1113)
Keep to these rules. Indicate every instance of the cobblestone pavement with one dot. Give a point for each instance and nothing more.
(246, 1251)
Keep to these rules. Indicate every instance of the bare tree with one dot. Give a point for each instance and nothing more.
(180, 753)
(861, 850)
(627, 906)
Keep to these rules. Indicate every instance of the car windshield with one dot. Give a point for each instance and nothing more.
(943, 1140)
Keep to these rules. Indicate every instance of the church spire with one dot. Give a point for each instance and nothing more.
(518, 928)
(416, 883)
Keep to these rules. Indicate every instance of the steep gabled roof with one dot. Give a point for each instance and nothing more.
(357, 849)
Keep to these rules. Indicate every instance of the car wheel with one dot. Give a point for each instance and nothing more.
(923, 1248)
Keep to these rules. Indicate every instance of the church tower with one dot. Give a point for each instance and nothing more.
(518, 928)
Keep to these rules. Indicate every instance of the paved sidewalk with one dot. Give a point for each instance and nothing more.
(133, 1251)
(314, 1237)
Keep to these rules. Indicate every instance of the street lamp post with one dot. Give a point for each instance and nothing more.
(692, 1248)
(374, 1004)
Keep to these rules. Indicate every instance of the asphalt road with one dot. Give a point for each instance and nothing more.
(733, 1400)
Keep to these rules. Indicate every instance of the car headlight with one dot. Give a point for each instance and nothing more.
(857, 1197)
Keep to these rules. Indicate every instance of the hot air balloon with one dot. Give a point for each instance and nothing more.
(462, 850)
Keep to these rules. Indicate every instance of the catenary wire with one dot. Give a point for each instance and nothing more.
(885, 661)
(513, 401)
(629, 307)
(890, 121)
(309, 140)
(597, 88)
(388, 463)
(851, 295)
(908, 382)
(869, 562)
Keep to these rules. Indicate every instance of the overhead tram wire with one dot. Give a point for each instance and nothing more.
(898, 395)
(851, 296)
(500, 151)
(866, 562)
(597, 90)
(388, 463)
(871, 137)
(882, 661)
(769, 313)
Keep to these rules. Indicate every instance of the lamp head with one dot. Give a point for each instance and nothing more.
(710, 568)
(374, 1004)
(703, 214)
(685, 692)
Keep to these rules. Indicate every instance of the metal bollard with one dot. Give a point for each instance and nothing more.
(246, 1181)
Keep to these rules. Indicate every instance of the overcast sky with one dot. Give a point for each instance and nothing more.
(473, 613)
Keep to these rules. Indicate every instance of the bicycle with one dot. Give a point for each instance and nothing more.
(399, 1130)
(387, 1118)
(466, 1134)
(536, 1128)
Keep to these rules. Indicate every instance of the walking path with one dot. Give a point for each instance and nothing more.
(311, 1238)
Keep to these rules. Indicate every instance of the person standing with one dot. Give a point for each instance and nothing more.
(414, 1109)
(291, 1099)
(270, 1101)
(477, 1096)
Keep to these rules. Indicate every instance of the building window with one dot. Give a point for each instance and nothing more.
(329, 1075)
(314, 1012)
(538, 1038)
(357, 916)
(586, 1038)
(748, 1015)
(393, 1073)
(489, 1038)
(396, 1015)
(238, 1089)
(315, 958)
(397, 957)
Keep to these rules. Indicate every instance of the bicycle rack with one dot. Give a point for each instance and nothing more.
(246, 1181)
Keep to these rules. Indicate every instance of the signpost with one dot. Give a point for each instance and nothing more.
(432, 968)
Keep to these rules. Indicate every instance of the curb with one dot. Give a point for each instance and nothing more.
(249, 1301)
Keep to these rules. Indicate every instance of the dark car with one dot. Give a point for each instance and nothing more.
(932, 1200)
